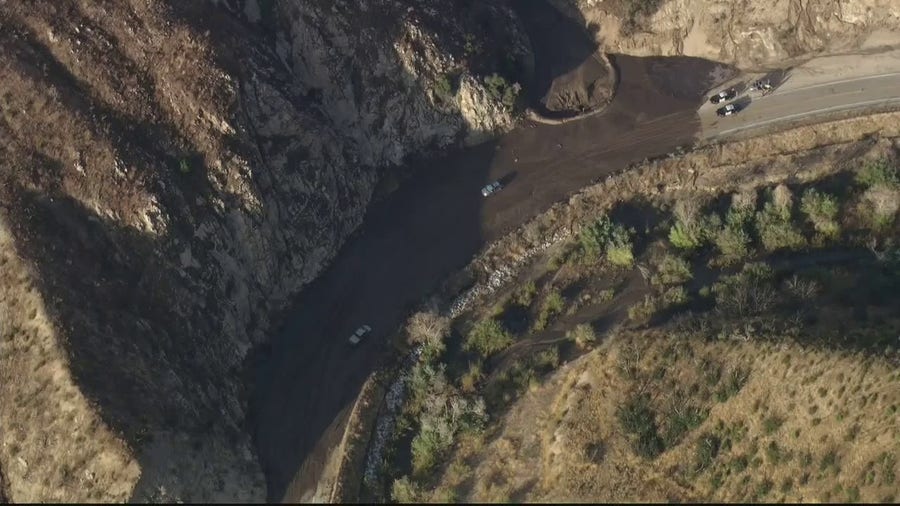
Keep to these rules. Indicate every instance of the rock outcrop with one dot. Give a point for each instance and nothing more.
(749, 34)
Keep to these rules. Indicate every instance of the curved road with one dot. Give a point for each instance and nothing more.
(438, 220)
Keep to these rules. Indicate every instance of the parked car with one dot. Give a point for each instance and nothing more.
(361, 332)
(491, 189)
(723, 96)
(728, 110)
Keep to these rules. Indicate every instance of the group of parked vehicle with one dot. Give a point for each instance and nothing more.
(727, 95)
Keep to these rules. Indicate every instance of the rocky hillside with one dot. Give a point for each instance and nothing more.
(171, 173)
(746, 33)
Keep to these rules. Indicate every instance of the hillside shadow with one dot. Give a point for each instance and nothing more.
(401, 252)
(561, 46)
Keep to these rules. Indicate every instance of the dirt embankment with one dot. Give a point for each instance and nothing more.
(171, 174)
(711, 168)
(747, 34)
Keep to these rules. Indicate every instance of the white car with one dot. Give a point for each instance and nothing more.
(729, 109)
(491, 189)
(723, 96)
(361, 332)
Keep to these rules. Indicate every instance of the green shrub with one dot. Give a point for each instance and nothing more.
(405, 491)
(774, 225)
(887, 463)
(705, 451)
(184, 166)
(734, 382)
(682, 420)
(774, 454)
(747, 293)
(546, 360)
(425, 380)
(500, 89)
(762, 489)
(446, 413)
(638, 420)
(593, 238)
(643, 310)
(620, 254)
(691, 230)
(428, 329)
(740, 212)
(429, 446)
(772, 424)
(830, 460)
(674, 296)
(472, 46)
(685, 236)
(583, 335)
(672, 270)
(881, 204)
(608, 294)
(509, 383)
(636, 11)
(551, 307)
(739, 464)
(487, 337)
(525, 294)
(879, 173)
(605, 236)
(443, 89)
(469, 381)
(733, 243)
(821, 210)
(777, 233)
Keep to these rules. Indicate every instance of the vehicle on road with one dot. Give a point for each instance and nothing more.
(761, 85)
(723, 96)
(491, 189)
(361, 332)
(728, 110)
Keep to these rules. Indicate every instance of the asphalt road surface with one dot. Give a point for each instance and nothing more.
(804, 103)
(438, 220)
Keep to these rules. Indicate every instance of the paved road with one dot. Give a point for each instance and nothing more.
(785, 105)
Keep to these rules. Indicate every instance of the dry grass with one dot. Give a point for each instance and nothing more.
(73, 456)
(804, 422)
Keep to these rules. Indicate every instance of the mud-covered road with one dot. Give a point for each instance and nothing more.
(434, 225)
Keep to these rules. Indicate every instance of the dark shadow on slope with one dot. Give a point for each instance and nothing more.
(403, 249)
(570, 76)
(114, 303)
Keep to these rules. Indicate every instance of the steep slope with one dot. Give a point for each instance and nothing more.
(171, 173)
(749, 34)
